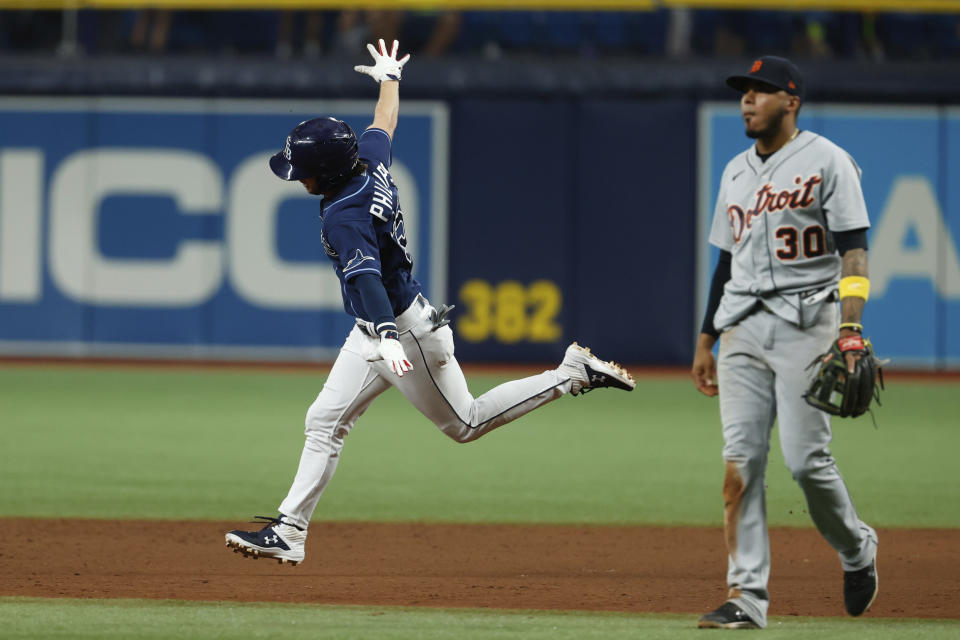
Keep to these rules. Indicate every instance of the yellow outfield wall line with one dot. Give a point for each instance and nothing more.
(920, 6)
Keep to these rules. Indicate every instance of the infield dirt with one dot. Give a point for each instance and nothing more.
(629, 569)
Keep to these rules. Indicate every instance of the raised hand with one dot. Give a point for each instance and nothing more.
(385, 65)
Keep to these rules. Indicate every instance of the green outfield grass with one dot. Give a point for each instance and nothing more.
(37, 619)
(212, 444)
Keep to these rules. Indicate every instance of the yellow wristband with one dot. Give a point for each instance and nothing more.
(854, 286)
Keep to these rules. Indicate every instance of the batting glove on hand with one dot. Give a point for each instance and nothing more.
(385, 65)
(392, 352)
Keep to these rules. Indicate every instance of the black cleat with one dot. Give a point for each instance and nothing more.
(860, 589)
(728, 616)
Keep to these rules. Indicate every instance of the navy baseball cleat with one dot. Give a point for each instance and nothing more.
(278, 540)
(860, 589)
(589, 372)
(728, 616)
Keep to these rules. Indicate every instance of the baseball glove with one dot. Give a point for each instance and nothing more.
(839, 392)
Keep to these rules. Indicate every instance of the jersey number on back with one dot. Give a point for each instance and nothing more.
(812, 241)
(399, 233)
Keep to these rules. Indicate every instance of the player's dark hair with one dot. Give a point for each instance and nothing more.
(358, 170)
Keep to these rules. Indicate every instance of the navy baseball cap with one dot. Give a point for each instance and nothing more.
(775, 71)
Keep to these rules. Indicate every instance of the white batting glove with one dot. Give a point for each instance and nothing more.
(392, 352)
(385, 65)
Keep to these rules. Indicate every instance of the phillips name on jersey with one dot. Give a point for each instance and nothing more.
(363, 230)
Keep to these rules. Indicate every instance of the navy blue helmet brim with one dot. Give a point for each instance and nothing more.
(284, 170)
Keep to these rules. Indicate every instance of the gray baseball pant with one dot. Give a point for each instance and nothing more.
(762, 377)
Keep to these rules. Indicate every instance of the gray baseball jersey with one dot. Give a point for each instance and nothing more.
(775, 218)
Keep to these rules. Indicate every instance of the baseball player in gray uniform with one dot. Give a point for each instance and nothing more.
(790, 222)
(399, 339)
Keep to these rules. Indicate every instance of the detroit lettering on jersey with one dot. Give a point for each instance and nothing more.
(363, 230)
(776, 219)
(770, 200)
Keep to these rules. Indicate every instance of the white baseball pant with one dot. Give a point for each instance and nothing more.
(436, 387)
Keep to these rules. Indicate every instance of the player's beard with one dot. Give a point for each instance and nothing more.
(772, 128)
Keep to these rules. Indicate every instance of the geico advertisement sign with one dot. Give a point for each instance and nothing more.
(246, 256)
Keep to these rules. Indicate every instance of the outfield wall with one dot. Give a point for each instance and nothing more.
(152, 227)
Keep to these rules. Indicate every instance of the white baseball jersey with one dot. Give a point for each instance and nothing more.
(776, 219)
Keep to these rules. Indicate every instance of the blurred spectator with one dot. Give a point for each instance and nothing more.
(308, 25)
(717, 33)
(356, 28)
(151, 30)
(679, 32)
(810, 35)
(727, 42)
(385, 24)
(432, 33)
(197, 32)
(869, 45)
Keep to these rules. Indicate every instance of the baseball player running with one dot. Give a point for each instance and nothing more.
(399, 339)
(790, 222)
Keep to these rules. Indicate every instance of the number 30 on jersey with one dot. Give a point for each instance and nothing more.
(810, 241)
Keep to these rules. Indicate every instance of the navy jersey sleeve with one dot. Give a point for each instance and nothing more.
(355, 243)
(374, 147)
